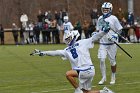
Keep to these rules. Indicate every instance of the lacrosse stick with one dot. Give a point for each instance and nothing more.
(113, 38)
(35, 52)
(123, 49)
(119, 34)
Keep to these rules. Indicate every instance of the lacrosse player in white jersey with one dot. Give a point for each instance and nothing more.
(79, 56)
(67, 26)
(107, 47)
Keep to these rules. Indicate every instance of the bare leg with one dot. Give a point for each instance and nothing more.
(113, 68)
(70, 75)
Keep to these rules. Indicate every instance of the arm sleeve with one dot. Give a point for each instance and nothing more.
(118, 26)
(98, 36)
(54, 53)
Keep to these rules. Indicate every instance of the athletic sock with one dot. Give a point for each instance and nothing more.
(103, 69)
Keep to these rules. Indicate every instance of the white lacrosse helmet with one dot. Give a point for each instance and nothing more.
(106, 8)
(71, 37)
(66, 18)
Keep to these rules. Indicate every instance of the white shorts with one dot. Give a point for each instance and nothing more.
(85, 78)
(109, 50)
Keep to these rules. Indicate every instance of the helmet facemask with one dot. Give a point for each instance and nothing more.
(106, 9)
(70, 39)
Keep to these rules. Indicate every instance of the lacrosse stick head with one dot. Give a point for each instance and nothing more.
(35, 52)
(106, 9)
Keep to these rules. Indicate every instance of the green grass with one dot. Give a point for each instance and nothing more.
(21, 73)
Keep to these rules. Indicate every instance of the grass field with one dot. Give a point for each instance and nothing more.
(21, 73)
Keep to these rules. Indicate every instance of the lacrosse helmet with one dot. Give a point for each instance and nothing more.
(71, 37)
(106, 9)
(66, 18)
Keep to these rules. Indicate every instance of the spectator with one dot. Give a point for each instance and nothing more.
(2, 34)
(61, 18)
(132, 36)
(78, 27)
(137, 31)
(15, 33)
(57, 18)
(91, 29)
(130, 19)
(24, 20)
(31, 33)
(85, 28)
(26, 35)
(40, 17)
(37, 33)
(46, 32)
(55, 33)
(49, 15)
(22, 30)
(120, 15)
(94, 16)
(124, 32)
(45, 18)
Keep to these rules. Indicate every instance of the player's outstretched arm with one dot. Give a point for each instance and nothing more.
(49, 53)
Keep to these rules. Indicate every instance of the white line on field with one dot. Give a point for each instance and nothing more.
(57, 90)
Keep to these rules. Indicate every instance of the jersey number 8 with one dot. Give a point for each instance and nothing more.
(74, 53)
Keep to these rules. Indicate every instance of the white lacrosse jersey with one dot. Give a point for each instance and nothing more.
(67, 27)
(78, 54)
(114, 25)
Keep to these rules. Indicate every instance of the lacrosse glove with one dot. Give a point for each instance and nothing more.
(106, 28)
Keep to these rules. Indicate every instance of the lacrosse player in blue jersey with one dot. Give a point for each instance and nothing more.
(107, 46)
(77, 52)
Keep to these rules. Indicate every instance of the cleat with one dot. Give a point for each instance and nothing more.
(112, 81)
(107, 90)
(78, 90)
(102, 81)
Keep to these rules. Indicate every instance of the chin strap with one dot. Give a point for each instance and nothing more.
(106, 15)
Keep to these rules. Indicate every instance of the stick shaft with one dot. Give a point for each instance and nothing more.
(123, 49)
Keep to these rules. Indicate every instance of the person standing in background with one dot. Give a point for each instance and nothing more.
(24, 20)
(2, 34)
(94, 16)
(15, 33)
